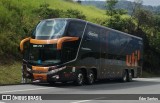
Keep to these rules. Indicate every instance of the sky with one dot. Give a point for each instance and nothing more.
(145, 2)
(150, 2)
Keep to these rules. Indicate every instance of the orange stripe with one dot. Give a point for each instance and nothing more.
(138, 55)
(130, 60)
(133, 60)
(65, 39)
(127, 60)
(36, 68)
(35, 41)
(54, 41)
(136, 58)
(22, 43)
(40, 76)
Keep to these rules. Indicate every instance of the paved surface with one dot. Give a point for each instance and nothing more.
(138, 86)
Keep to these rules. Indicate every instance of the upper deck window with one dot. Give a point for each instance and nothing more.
(75, 29)
(49, 29)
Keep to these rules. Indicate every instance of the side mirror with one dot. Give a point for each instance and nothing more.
(21, 47)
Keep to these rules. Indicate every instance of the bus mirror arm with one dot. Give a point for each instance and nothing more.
(21, 46)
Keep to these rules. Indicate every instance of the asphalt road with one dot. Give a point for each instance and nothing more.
(148, 86)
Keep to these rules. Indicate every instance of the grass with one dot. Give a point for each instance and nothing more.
(10, 74)
(90, 12)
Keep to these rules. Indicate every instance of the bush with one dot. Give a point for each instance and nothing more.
(44, 12)
(115, 22)
(70, 13)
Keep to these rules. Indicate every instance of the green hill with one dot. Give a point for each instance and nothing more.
(18, 17)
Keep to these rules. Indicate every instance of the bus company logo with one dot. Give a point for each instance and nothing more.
(133, 59)
(6, 97)
(93, 34)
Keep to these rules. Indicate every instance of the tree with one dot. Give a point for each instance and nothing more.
(110, 6)
(44, 12)
(143, 17)
(115, 20)
(71, 13)
(137, 4)
(79, 1)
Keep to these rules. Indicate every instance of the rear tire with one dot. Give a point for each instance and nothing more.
(90, 78)
(124, 76)
(79, 79)
(129, 76)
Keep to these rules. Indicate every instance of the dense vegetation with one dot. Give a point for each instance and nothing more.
(122, 4)
(18, 17)
(143, 23)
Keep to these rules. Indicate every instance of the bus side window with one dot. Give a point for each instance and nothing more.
(75, 29)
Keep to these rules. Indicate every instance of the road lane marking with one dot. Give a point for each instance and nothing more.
(25, 90)
(2, 102)
(148, 79)
(82, 101)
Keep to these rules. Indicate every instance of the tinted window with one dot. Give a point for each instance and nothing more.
(75, 28)
(92, 37)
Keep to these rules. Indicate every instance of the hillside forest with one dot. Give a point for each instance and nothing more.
(18, 18)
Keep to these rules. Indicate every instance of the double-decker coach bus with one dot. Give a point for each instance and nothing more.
(65, 49)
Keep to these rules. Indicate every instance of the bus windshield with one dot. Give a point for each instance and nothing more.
(41, 55)
(50, 29)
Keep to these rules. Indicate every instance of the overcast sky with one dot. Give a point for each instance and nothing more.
(150, 2)
(145, 2)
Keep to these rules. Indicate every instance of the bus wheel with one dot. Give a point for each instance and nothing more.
(124, 76)
(79, 79)
(129, 77)
(90, 78)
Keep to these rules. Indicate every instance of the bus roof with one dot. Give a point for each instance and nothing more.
(70, 19)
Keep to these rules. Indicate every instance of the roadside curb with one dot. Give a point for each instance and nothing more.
(14, 84)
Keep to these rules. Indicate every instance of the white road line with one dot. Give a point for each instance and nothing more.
(146, 79)
(2, 102)
(88, 100)
(25, 90)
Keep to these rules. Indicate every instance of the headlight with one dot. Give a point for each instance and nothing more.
(28, 69)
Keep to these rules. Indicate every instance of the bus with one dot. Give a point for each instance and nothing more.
(67, 49)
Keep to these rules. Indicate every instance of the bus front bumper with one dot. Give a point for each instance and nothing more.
(55, 75)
